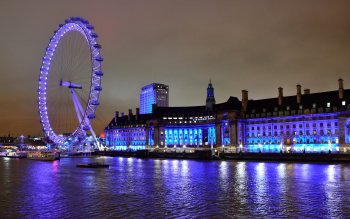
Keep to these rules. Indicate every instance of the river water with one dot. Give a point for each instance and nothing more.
(154, 188)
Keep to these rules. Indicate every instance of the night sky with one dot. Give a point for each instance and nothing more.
(253, 45)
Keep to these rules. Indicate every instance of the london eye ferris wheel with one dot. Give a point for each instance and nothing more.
(70, 84)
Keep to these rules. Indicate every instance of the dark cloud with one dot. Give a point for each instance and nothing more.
(254, 45)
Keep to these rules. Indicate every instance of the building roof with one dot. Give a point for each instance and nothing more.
(155, 85)
(130, 120)
(307, 102)
(159, 112)
(231, 104)
(264, 107)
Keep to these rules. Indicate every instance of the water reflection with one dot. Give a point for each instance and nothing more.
(330, 171)
(223, 176)
(173, 189)
(55, 166)
(241, 185)
(260, 184)
(333, 199)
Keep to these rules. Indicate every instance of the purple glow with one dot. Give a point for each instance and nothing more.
(82, 26)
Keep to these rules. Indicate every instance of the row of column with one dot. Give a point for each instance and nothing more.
(206, 135)
(218, 134)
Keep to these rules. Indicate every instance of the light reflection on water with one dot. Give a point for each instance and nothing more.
(172, 189)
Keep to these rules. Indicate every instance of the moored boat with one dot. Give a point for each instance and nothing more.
(12, 152)
(43, 155)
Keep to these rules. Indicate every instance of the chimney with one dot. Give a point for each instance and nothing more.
(306, 91)
(116, 115)
(298, 93)
(244, 100)
(130, 114)
(280, 96)
(137, 113)
(341, 88)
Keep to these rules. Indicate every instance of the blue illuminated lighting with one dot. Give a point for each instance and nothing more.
(153, 94)
(147, 98)
(300, 117)
(294, 148)
(210, 90)
(190, 135)
(225, 133)
(126, 137)
(313, 132)
(347, 131)
(298, 133)
(125, 148)
(151, 137)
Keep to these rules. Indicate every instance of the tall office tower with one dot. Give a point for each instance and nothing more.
(153, 94)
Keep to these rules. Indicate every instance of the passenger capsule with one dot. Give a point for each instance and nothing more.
(90, 27)
(97, 46)
(95, 102)
(94, 35)
(91, 116)
(99, 59)
(99, 73)
(98, 88)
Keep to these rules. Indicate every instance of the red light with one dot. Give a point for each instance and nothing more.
(102, 135)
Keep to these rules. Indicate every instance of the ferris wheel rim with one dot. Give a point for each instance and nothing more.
(85, 29)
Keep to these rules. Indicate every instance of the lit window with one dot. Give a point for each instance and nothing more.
(343, 103)
(314, 105)
(328, 104)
